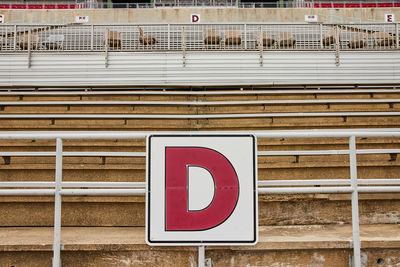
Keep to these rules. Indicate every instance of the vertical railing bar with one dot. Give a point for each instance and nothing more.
(245, 35)
(321, 36)
(169, 36)
(354, 203)
(201, 256)
(29, 47)
(397, 35)
(92, 37)
(15, 37)
(57, 205)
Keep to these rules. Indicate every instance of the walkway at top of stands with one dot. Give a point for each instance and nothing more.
(201, 37)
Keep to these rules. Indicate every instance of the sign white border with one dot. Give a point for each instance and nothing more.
(169, 240)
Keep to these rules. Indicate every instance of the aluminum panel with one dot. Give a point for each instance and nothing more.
(201, 69)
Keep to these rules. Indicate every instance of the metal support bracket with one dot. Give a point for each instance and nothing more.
(337, 52)
(183, 48)
(260, 46)
(203, 262)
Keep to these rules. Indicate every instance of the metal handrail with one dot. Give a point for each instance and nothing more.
(353, 188)
(199, 103)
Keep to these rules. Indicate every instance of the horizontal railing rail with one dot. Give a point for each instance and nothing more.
(60, 188)
(200, 103)
(82, 92)
(259, 37)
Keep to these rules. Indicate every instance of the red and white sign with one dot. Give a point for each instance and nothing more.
(389, 18)
(310, 18)
(201, 189)
(195, 18)
(82, 19)
(1, 18)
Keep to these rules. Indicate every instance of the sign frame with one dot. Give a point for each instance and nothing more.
(190, 242)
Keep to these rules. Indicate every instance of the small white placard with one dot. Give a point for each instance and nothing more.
(1, 18)
(194, 18)
(310, 18)
(389, 18)
(82, 19)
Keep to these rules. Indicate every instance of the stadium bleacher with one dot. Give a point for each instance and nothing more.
(78, 100)
(312, 229)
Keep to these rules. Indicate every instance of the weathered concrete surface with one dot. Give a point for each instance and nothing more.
(299, 209)
(278, 246)
(208, 15)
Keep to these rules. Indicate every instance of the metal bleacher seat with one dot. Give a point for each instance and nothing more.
(286, 39)
(146, 39)
(23, 42)
(358, 40)
(54, 42)
(383, 39)
(211, 37)
(233, 37)
(113, 39)
(267, 39)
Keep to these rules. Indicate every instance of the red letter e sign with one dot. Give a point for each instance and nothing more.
(201, 189)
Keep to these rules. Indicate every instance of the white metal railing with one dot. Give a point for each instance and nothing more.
(201, 37)
(61, 188)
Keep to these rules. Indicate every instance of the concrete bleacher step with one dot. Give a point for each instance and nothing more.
(184, 124)
(299, 209)
(308, 245)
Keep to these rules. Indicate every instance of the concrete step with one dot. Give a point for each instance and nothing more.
(189, 109)
(308, 245)
(299, 209)
(211, 124)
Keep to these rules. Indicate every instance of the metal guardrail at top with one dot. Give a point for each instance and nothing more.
(201, 37)
(352, 185)
(202, 3)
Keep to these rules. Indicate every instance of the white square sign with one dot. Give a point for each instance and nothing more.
(389, 18)
(82, 19)
(201, 189)
(310, 18)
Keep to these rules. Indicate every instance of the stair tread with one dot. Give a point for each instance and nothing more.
(133, 238)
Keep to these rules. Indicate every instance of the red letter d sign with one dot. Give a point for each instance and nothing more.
(201, 189)
(195, 18)
(226, 190)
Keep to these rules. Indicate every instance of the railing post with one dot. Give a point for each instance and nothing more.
(245, 36)
(106, 48)
(321, 36)
(57, 205)
(183, 44)
(15, 37)
(201, 256)
(92, 37)
(354, 203)
(29, 47)
(169, 37)
(397, 35)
